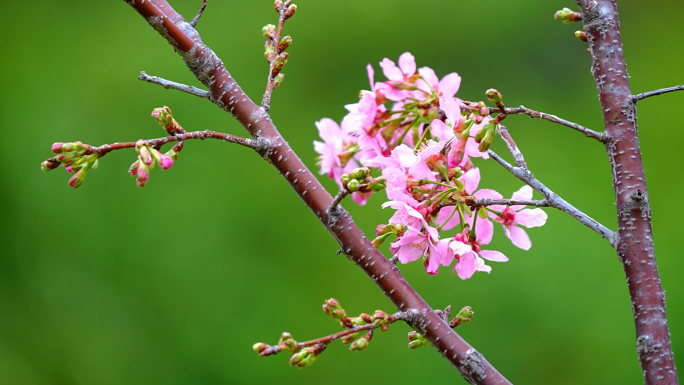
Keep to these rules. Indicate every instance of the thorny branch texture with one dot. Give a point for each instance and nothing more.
(634, 241)
(228, 95)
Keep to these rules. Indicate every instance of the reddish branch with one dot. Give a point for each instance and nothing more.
(257, 145)
(228, 95)
(634, 241)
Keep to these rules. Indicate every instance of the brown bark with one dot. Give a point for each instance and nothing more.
(228, 95)
(634, 243)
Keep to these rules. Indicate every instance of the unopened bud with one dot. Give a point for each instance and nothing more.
(49, 165)
(287, 343)
(290, 11)
(493, 95)
(462, 317)
(57, 147)
(284, 43)
(378, 184)
(269, 31)
(278, 5)
(361, 343)
(360, 173)
(567, 15)
(278, 79)
(353, 185)
(581, 35)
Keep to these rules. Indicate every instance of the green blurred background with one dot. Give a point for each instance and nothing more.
(173, 283)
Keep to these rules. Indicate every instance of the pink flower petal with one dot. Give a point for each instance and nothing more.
(492, 255)
(531, 217)
(518, 236)
(407, 63)
(449, 85)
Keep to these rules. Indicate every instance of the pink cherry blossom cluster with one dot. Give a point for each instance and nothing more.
(423, 144)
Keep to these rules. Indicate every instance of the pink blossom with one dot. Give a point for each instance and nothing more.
(447, 87)
(396, 75)
(471, 261)
(335, 141)
(517, 215)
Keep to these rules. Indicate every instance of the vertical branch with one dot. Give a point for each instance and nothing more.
(634, 239)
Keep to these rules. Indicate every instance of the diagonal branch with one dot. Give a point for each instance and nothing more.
(228, 95)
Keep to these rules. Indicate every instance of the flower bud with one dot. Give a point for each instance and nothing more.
(57, 147)
(462, 317)
(493, 95)
(287, 343)
(278, 79)
(378, 184)
(49, 165)
(353, 185)
(269, 31)
(278, 5)
(303, 358)
(581, 35)
(360, 173)
(284, 43)
(290, 11)
(361, 343)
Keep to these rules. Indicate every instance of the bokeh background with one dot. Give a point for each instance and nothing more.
(172, 284)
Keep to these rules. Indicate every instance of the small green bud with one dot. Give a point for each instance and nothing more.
(353, 185)
(582, 36)
(493, 95)
(360, 173)
(359, 345)
(269, 31)
(49, 165)
(287, 343)
(378, 184)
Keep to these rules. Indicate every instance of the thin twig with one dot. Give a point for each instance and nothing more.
(255, 144)
(194, 21)
(338, 198)
(275, 349)
(554, 200)
(173, 85)
(601, 137)
(270, 84)
(661, 91)
(474, 202)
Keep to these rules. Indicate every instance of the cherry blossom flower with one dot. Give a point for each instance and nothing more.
(516, 215)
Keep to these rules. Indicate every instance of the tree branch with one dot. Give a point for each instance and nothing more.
(552, 118)
(661, 91)
(173, 85)
(228, 95)
(634, 240)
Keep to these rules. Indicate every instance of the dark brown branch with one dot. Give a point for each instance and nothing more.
(661, 91)
(228, 95)
(173, 85)
(634, 238)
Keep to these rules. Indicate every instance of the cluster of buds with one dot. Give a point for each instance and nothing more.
(148, 157)
(164, 117)
(568, 16)
(417, 340)
(76, 157)
(463, 316)
(359, 180)
(384, 231)
(275, 47)
(288, 10)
